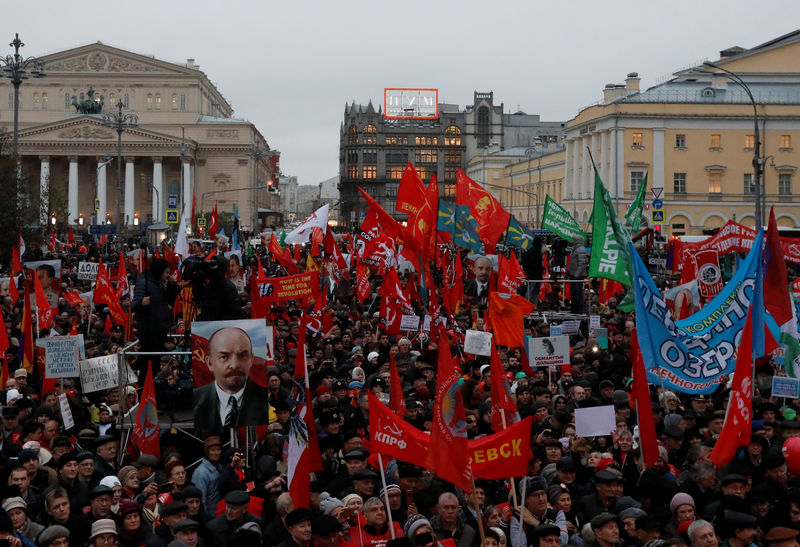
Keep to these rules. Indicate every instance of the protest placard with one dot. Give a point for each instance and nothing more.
(553, 350)
(62, 354)
(101, 373)
(594, 322)
(595, 421)
(783, 386)
(573, 326)
(87, 270)
(555, 330)
(478, 342)
(409, 322)
(66, 412)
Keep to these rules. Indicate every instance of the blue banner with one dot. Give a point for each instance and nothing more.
(695, 354)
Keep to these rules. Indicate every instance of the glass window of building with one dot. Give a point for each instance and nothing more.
(423, 172)
(786, 141)
(785, 184)
(748, 141)
(714, 183)
(749, 184)
(352, 157)
(158, 101)
(636, 180)
(452, 136)
(452, 156)
(450, 173)
(370, 155)
(716, 141)
(426, 141)
(679, 183)
(399, 155)
(483, 126)
(149, 101)
(394, 172)
(44, 101)
(425, 155)
(637, 139)
(369, 172)
(370, 134)
(680, 140)
(174, 101)
(396, 139)
(352, 135)
(352, 172)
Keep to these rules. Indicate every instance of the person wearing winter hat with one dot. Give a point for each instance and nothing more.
(104, 532)
(298, 522)
(17, 509)
(682, 507)
(206, 475)
(129, 480)
(51, 535)
(328, 503)
(132, 532)
(116, 488)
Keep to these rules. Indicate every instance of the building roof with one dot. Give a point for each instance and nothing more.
(684, 91)
(216, 119)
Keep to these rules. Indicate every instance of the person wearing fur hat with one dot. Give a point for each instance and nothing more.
(132, 531)
(298, 522)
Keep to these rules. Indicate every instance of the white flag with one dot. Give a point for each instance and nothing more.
(182, 242)
(318, 218)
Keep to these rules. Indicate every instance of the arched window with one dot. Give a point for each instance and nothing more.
(452, 136)
(174, 101)
(370, 132)
(36, 101)
(112, 99)
(44, 101)
(352, 135)
(149, 101)
(126, 103)
(158, 101)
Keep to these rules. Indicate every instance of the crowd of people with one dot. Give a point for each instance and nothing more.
(90, 485)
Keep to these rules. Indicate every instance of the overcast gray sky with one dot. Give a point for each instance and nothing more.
(290, 66)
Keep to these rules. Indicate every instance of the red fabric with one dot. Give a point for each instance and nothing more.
(777, 299)
(644, 409)
(334, 255)
(211, 255)
(392, 436)
(492, 219)
(4, 343)
(422, 225)
(44, 312)
(363, 538)
(146, 431)
(739, 415)
(122, 278)
(448, 455)
(16, 263)
(281, 255)
(104, 294)
(74, 329)
(74, 298)
(503, 454)
(12, 289)
(297, 253)
(70, 236)
(213, 224)
(410, 192)
(27, 336)
(501, 401)
(362, 282)
(510, 272)
(107, 326)
(397, 401)
(507, 313)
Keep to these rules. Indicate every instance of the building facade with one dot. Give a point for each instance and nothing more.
(186, 145)
(693, 136)
(374, 150)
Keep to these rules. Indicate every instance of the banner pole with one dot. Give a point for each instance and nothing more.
(513, 489)
(521, 511)
(386, 494)
(478, 514)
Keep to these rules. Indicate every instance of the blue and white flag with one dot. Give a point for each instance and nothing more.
(695, 354)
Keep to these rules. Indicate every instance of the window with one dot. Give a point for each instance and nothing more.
(352, 172)
(483, 126)
(369, 172)
(449, 189)
(394, 172)
(158, 101)
(112, 99)
(423, 173)
(370, 155)
(786, 141)
(44, 101)
(352, 157)
(452, 136)
(399, 155)
(174, 101)
(748, 141)
(127, 101)
(149, 101)
(452, 156)
(183, 101)
(396, 140)
(637, 139)
(749, 184)
(714, 183)
(426, 141)
(679, 225)
(66, 101)
(636, 180)
(784, 184)
(450, 173)
(679, 183)
(425, 155)
(391, 191)
(716, 142)
(11, 100)
(680, 141)
(36, 101)
(352, 135)
(371, 134)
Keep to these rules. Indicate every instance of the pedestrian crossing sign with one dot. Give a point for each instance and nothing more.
(172, 216)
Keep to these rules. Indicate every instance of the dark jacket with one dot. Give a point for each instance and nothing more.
(221, 529)
(206, 407)
(156, 317)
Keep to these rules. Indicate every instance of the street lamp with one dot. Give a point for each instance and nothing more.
(18, 69)
(757, 160)
(120, 122)
(257, 152)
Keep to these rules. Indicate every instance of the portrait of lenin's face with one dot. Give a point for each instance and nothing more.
(229, 358)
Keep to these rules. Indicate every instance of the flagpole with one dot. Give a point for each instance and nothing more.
(386, 494)
(478, 515)
(513, 490)
(521, 509)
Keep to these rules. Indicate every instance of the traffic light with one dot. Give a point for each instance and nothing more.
(660, 237)
(270, 186)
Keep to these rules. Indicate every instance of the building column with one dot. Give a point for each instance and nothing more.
(44, 189)
(593, 157)
(619, 174)
(658, 158)
(566, 191)
(575, 182)
(72, 191)
(129, 192)
(187, 183)
(587, 169)
(102, 210)
(158, 189)
(604, 158)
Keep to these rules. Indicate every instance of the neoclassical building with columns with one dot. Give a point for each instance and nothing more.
(187, 144)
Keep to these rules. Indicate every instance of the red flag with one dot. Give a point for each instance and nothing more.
(122, 278)
(362, 281)
(16, 264)
(507, 314)
(52, 239)
(410, 192)
(422, 225)
(73, 298)
(74, 329)
(44, 312)
(194, 208)
(146, 432)
(104, 294)
(4, 344)
(213, 224)
(12, 289)
(457, 288)
(335, 256)
(281, 255)
(509, 274)
(391, 435)
(297, 256)
(70, 236)
(644, 409)
(777, 299)
(504, 454)
(739, 414)
(27, 337)
(448, 456)
(211, 255)
(304, 457)
(107, 326)
(492, 219)
(501, 401)
(396, 398)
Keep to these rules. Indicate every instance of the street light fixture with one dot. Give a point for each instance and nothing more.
(758, 161)
(18, 69)
(120, 122)
(257, 152)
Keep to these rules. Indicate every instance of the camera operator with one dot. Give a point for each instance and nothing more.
(155, 291)
(219, 300)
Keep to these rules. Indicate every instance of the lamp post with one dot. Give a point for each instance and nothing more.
(18, 69)
(257, 152)
(120, 122)
(757, 159)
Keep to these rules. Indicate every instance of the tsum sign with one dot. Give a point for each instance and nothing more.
(411, 103)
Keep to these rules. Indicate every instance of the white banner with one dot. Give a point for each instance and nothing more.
(478, 342)
(62, 354)
(87, 270)
(66, 412)
(101, 373)
(552, 350)
(318, 219)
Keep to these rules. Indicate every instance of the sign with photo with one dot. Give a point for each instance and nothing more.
(549, 350)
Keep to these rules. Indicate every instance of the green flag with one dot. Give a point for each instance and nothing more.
(633, 218)
(283, 239)
(610, 257)
(559, 221)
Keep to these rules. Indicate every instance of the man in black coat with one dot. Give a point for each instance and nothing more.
(222, 528)
(231, 400)
(155, 291)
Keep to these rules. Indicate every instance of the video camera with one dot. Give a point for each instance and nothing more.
(196, 270)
